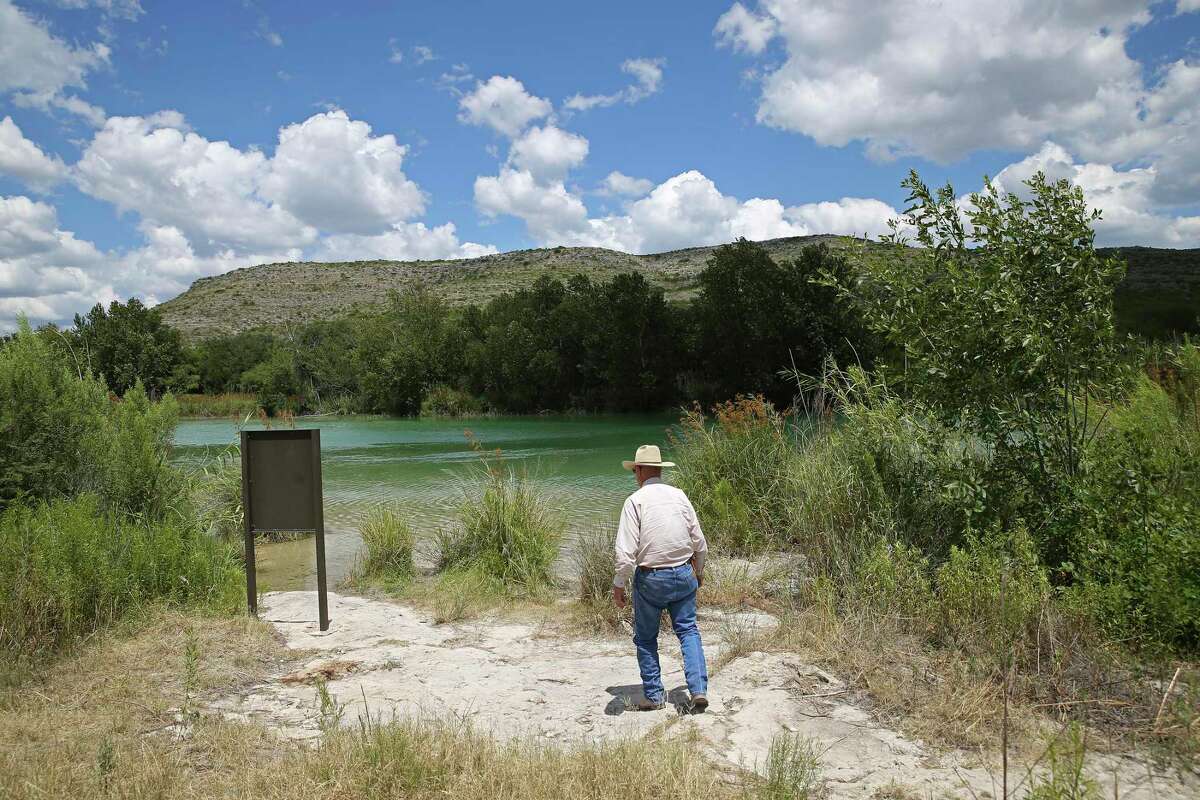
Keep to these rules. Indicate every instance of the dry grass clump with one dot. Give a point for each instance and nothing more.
(125, 718)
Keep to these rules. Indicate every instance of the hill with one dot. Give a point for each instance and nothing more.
(287, 293)
(1160, 295)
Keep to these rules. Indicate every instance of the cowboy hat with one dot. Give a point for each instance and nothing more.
(647, 456)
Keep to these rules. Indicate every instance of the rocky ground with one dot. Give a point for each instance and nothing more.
(523, 680)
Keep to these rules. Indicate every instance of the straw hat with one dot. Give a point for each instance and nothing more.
(647, 456)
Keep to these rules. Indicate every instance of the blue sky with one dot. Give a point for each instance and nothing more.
(143, 145)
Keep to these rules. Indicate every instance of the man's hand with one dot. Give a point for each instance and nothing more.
(619, 596)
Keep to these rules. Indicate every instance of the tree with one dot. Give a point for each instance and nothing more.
(755, 317)
(1003, 316)
(414, 344)
(128, 343)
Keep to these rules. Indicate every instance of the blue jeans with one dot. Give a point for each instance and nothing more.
(675, 590)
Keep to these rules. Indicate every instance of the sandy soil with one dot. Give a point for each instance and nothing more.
(514, 680)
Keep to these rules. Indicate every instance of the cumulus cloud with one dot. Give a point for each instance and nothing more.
(331, 173)
(405, 242)
(548, 209)
(45, 272)
(548, 153)
(25, 161)
(942, 80)
(744, 30)
(622, 185)
(170, 176)
(1124, 197)
(686, 210)
(647, 74)
(331, 190)
(48, 102)
(37, 67)
(503, 104)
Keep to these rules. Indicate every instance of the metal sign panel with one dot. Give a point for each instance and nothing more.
(281, 491)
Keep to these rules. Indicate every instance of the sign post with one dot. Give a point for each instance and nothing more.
(281, 491)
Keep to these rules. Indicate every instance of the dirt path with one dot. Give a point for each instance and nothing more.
(505, 678)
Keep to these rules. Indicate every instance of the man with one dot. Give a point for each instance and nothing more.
(660, 544)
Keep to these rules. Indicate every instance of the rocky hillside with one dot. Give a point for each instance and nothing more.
(1160, 295)
(278, 294)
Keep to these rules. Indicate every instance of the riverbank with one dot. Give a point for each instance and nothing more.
(516, 702)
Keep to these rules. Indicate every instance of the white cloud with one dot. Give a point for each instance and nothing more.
(745, 31)
(502, 103)
(38, 66)
(422, 54)
(25, 161)
(45, 272)
(548, 209)
(548, 152)
(647, 74)
(617, 183)
(122, 9)
(1186, 6)
(686, 210)
(945, 79)
(405, 242)
(330, 173)
(1125, 198)
(48, 101)
(331, 190)
(170, 176)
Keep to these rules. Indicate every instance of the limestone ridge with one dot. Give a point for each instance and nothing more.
(1161, 290)
(277, 295)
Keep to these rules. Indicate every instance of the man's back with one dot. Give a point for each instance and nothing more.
(658, 528)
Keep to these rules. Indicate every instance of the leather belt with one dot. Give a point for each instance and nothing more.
(659, 569)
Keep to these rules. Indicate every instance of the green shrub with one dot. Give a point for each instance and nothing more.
(446, 401)
(991, 590)
(68, 568)
(792, 771)
(62, 434)
(389, 542)
(1136, 555)
(129, 451)
(49, 413)
(507, 531)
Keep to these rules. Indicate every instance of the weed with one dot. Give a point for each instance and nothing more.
(792, 771)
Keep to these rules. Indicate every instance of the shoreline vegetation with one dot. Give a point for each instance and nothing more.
(988, 531)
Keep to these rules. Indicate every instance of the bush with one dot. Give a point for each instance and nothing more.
(67, 568)
(507, 531)
(129, 452)
(446, 401)
(49, 413)
(1136, 555)
(389, 542)
(63, 435)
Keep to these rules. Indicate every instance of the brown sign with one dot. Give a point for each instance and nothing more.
(281, 491)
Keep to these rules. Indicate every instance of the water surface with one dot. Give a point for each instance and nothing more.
(420, 466)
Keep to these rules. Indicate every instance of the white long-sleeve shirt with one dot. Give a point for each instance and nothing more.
(658, 528)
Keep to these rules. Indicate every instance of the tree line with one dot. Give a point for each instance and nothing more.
(557, 345)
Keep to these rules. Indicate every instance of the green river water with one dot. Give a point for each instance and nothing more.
(420, 467)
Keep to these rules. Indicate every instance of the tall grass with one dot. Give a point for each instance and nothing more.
(737, 472)
(506, 532)
(388, 539)
(231, 404)
(68, 568)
